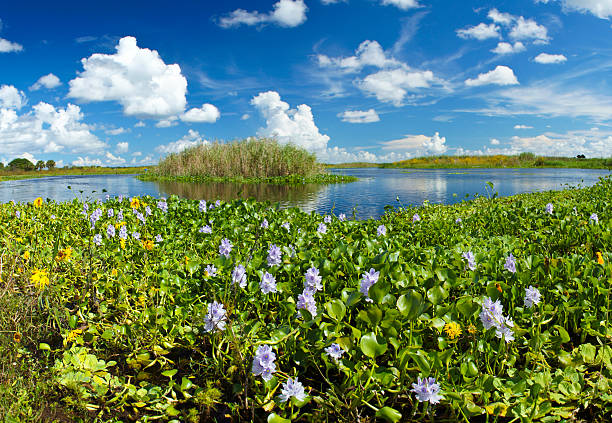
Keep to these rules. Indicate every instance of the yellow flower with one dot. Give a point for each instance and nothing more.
(122, 242)
(26, 255)
(135, 203)
(64, 255)
(17, 337)
(148, 245)
(471, 329)
(72, 336)
(38, 202)
(114, 273)
(40, 278)
(452, 329)
(118, 225)
(19, 240)
(599, 258)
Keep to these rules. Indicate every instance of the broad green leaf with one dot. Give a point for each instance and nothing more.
(372, 345)
(389, 414)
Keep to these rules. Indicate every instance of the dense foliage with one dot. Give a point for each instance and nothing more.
(138, 309)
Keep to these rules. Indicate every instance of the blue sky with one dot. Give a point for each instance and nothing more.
(122, 83)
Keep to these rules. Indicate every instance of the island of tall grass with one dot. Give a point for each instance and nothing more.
(251, 160)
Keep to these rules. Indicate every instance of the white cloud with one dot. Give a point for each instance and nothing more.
(207, 113)
(358, 116)
(342, 155)
(501, 75)
(500, 17)
(393, 85)
(137, 153)
(528, 29)
(494, 141)
(11, 97)
(7, 46)
(522, 127)
(86, 161)
(480, 32)
(369, 53)
(191, 139)
(113, 160)
(135, 77)
(600, 8)
(30, 157)
(418, 144)
(245, 116)
(46, 129)
(116, 131)
(435, 144)
(288, 125)
(507, 48)
(122, 147)
(49, 81)
(546, 58)
(327, 2)
(167, 123)
(145, 161)
(287, 13)
(402, 4)
(140, 124)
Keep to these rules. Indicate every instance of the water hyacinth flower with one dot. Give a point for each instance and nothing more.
(136, 235)
(120, 198)
(427, 389)
(471, 260)
(140, 217)
(263, 363)
(312, 280)
(594, 218)
(163, 206)
(458, 220)
(274, 255)
(217, 203)
(110, 212)
(306, 301)
(264, 224)
(123, 233)
(267, 283)
(148, 211)
(335, 351)
(205, 229)
(549, 208)
(368, 279)
(225, 248)
(110, 231)
(381, 230)
(416, 218)
(285, 225)
(292, 388)
(210, 271)
(510, 265)
(158, 238)
(532, 296)
(341, 217)
(322, 228)
(492, 316)
(17, 214)
(327, 219)
(239, 276)
(97, 239)
(120, 216)
(202, 205)
(215, 318)
(95, 216)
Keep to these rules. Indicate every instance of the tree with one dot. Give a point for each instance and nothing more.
(50, 164)
(40, 165)
(1, 165)
(21, 164)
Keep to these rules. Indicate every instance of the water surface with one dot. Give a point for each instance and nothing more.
(366, 197)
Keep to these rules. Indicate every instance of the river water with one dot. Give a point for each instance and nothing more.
(375, 189)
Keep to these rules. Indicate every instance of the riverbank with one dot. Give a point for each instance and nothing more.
(164, 309)
(323, 178)
(6, 175)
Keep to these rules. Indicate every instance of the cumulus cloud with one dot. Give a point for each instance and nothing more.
(392, 86)
(480, 32)
(342, 155)
(167, 123)
(327, 2)
(113, 160)
(522, 127)
(358, 116)
(402, 4)
(140, 124)
(122, 147)
(135, 77)
(369, 53)
(191, 139)
(7, 46)
(49, 81)
(500, 17)
(418, 144)
(501, 75)
(287, 125)
(86, 161)
(207, 113)
(507, 48)
(286, 13)
(546, 58)
(46, 129)
(528, 29)
(11, 97)
(494, 141)
(600, 8)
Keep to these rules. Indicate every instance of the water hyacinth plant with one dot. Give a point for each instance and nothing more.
(269, 324)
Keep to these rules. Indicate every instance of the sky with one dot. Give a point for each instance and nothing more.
(119, 83)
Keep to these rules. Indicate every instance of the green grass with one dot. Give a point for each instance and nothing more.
(6, 175)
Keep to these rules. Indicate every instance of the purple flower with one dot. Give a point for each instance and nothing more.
(217, 203)
(205, 229)
(416, 218)
(136, 235)
(110, 212)
(267, 283)
(210, 271)
(471, 260)
(381, 230)
(427, 389)
(158, 238)
(510, 265)
(492, 316)
(18, 214)
(97, 239)
(110, 231)
(368, 279)
(95, 216)
(263, 363)
(549, 208)
(306, 301)
(322, 228)
(312, 280)
(215, 318)
(532, 296)
(148, 211)
(239, 276)
(274, 255)
(458, 220)
(341, 217)
(292, 388)
(264, 224)
(140, 217)
(120, 198)
(123, 233)
(202, 205)
(286, 225)
(225, 248)
(163, 206)
(327, 219)
(120, 216)
(594, 218)
(334, 351)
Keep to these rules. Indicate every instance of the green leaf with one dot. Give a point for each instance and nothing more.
(467, 307)
(436, 294)
(389, 414)
(43, 346)
(275, 418)
(410, 304)
(107, 334)
(336, 309)
(421, 360)
(186, 384)
(372, 345)
(169, 373)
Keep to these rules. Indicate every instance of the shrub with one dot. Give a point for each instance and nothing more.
(21, 164)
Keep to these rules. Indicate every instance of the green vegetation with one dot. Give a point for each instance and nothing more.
(244, 161)
(7, 175)
(96, 327)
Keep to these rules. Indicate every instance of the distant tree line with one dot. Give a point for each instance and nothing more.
(26, 165)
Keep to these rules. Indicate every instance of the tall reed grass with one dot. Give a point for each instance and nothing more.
(247, 158)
